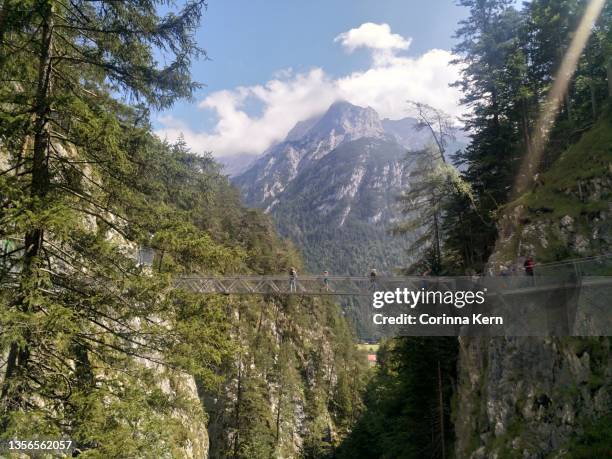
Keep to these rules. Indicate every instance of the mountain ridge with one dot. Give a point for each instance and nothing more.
(333, 183)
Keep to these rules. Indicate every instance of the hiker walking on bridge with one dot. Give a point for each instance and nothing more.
(326, 280)
(373, 283)
(529, 265)
(292, 280)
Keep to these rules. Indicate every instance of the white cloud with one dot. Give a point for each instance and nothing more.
(373, 36)
(285, 102)
(386, 88)
(291, 97)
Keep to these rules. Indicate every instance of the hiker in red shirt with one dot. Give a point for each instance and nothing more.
(529, 264)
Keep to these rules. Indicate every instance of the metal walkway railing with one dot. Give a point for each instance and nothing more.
(303, 285)
(579, 272)
(548, 276)
(364, 286)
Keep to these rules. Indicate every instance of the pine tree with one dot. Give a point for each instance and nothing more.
(88, 334)
(497, 93)
(435, 182)
(407, 403)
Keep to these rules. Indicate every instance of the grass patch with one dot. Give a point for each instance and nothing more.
(588, 158)
(368, 347)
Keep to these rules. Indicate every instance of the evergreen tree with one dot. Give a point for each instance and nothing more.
(497, 93)
(407, 404)
(87, 333)
(435, 182)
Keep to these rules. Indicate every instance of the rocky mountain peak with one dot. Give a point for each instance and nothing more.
(265, 182)
(348, 121)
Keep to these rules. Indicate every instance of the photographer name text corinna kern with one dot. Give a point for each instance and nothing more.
(427, 319)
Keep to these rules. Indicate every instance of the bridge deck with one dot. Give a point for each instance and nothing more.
(364, 286)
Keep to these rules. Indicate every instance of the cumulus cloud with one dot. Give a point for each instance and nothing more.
(289, 97)
(373, 36)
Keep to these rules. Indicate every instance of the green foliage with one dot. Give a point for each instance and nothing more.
(403, 415)
(297, 373)
(89, 335)
(558, 189)
(566, 189)
(595, 441)
(510, 59)
(98, 348)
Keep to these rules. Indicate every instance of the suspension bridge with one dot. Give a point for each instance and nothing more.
(591, 271)
(583, 272)
(560, 299)
(310, 285)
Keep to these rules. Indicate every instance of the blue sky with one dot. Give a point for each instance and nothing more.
(275, 62)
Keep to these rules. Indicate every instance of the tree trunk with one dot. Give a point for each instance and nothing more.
(237, 412)
(568, 106)
(441, 411)
(437, 265)
(593, 98)
(278, 412)
(40, 164)
(525, 126)
(3, 22)
(609, 74)
(19, 354)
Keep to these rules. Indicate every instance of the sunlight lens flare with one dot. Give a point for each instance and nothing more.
(551, 107)
(549, 111)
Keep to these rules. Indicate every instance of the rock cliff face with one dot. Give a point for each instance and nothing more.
(577, 224)
(190, 413)
(528, 397)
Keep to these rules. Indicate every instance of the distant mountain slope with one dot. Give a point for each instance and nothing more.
(263, 183)
(407, 133)
(340, 209)
(331, 187)
(234, 165)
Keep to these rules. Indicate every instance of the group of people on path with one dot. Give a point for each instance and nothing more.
(293, 286)
(528, 265)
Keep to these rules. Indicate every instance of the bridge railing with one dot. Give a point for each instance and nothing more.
(600, 265)
(307, 284)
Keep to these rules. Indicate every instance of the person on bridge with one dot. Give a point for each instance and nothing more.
(529, 265)
(425, 274)
(326, 280)
(373, 284)
(292, 280)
